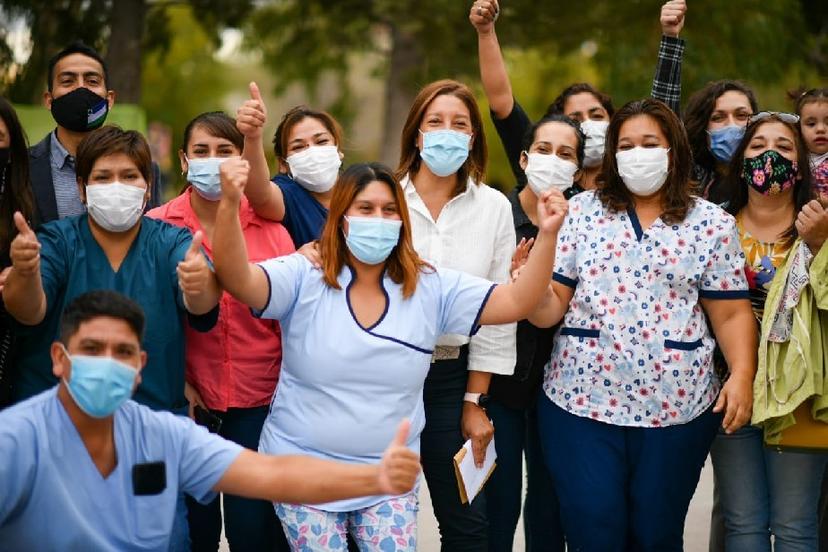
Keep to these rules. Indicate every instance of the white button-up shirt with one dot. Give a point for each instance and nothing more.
(474, 233)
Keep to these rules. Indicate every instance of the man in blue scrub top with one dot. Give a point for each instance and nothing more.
(112, 247)
(85, 468)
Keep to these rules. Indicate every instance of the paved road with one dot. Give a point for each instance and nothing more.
(695, 531)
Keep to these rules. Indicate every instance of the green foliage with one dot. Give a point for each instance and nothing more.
(54, 24)
(773, 46)
(186, 79)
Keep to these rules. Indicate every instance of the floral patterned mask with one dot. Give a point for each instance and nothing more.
(769, 173)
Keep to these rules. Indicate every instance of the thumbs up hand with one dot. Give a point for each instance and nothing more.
(194, 274)
(25, 249)
(252, 115)
(400, 466)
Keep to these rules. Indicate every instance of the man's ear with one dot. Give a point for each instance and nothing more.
(110, 98)
(48, 99)
(140, 370)
(61, 365)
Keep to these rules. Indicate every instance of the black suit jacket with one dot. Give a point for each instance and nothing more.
(43, 189)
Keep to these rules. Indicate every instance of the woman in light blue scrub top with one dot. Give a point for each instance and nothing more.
(358, 336)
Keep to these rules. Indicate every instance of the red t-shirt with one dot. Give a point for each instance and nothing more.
(236, 364)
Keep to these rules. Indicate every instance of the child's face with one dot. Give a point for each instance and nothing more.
(814, 124)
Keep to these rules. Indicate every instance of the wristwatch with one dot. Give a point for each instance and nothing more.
(480, 399)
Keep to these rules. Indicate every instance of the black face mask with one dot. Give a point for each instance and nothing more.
(5, 157)
(80, 110)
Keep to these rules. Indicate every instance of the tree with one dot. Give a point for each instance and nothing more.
(421, 40)
(121, 29)
(53, 24)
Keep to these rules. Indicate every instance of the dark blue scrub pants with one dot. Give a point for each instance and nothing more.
(250, 525)
(623, 488)
(462, 526)
(516, 434)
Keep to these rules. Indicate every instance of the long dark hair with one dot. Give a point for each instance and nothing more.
(736, 191)
(697, 114)
(17, 193)
(612, 191)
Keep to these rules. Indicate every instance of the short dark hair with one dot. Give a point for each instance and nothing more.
(216, 123)
(111, 139)
(97, 303)
(557, 105)
(75, 48)
(612, 191)
(529, 137)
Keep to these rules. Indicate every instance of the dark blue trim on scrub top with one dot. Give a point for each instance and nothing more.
(475, 326)
(369, 329)
(580, 332)
(636, 224)
(713, 294)
(259, 313)
(682, 345)
(561, 279)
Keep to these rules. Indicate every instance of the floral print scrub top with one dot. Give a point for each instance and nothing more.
(634, 348)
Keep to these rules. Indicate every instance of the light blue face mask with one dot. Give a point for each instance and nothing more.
(100, 385)
(445, 151)
(203, 174)
(371, 239)
(724, 141)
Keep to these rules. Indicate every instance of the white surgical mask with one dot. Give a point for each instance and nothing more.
(315, 168)
(115, 207)
(544, 172)
(596, 132)
(643, 170)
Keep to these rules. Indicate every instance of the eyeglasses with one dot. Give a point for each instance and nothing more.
(789, 118)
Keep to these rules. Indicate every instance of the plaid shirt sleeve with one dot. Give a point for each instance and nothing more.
(667, 79)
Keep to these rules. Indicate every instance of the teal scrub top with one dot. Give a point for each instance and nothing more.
(72, 263)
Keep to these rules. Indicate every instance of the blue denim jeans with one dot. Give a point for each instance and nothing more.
(763, 492)
(516, 434)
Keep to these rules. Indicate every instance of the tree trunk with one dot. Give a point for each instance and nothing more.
(123, 55)
(400, 90)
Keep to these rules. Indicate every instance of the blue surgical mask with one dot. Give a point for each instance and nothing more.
(445, 151)
(371, 239)
(99, 385)
(203, 174)
(724, 141)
